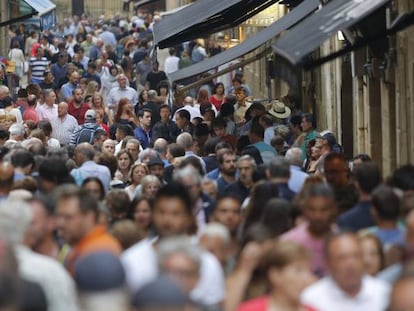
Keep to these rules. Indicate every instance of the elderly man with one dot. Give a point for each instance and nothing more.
(48, 111)
(63, 125)
(346, 288)
(122, 91)
(297, 176)
(84, 154)
(246, 166)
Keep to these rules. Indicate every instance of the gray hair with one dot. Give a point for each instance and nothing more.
(185, 140)
(15, 219)
(152, 94)
(160, 145)
(282, 131)
(185, 172)
(178, 245)
(216, 230)
(247, 157)
(279, 167)
(149, 179)
(294, 156)
(134, 141)
(207, 181)
(147, 153)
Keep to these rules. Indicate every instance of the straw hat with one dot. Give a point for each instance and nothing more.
(279, 109)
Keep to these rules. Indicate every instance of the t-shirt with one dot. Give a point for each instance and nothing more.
(301, 235)
(38, 67)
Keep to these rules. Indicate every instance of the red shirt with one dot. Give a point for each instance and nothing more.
(216, 102)
(78, 113)
(30, 114)
(261, 304)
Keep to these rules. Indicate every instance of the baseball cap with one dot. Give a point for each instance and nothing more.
(90, 114)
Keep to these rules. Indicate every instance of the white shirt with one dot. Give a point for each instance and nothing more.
(325, 295)
(117, 93)
(140, 263)
(55, 281)
(46, 112)
(171, 64)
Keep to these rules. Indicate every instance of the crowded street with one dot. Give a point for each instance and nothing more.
(146, 163)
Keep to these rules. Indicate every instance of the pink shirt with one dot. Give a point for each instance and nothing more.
(301, 235)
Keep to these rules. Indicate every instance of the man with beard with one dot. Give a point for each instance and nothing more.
(76, 107)
(227, 164)
(246, 166)
(319, 211)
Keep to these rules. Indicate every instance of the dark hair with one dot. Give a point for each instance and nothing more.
(132, 206)
(309, 118)
(363, 157)
(220, 157)
(176, 150)
(319, 190)
(210, 145)
(254, 153)
(403, 177)
(296, 120)
(22, 158)
(226, 109)
(257, 130)
(46, 127)
(163, 106)
(141, 112)
(86, 202)
(108, 160)
(55, 170)
(261, 193)
(386, 203)
(193, 161)
(279, 167)
(97, 180)
(177, 191)
(218, 122)
(184, 114)
(125, 129)
(276, 216)
(228, 195)
(368, 176)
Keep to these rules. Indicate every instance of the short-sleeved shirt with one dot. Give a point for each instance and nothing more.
(38, 67)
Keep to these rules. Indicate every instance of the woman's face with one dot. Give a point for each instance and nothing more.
(94, 189)
(220, 90)
(145, 95)
(371, 256)
(137, 175)
(127, 108)
(114, 72)
(151, 189)
(297, 274)
(163, 91)
(124, 162)
(97, 100)
(143, 214)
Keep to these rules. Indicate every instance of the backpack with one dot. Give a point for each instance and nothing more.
(86, 134)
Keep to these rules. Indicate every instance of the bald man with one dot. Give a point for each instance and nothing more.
(63, 125)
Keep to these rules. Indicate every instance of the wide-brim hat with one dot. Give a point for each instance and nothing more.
(279, 110)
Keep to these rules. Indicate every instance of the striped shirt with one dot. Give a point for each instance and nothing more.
(38, 67)
(63, 128)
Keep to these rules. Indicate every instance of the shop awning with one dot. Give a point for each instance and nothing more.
(141, 3)
(316, 29)
(205, 17)
(46, 12)
(250, 44)
(18, 11)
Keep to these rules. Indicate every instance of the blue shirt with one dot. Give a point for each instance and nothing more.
(357, 218)
(67, 90)
(267, 152)
(91, 169)
(143, 137)
(297, 178)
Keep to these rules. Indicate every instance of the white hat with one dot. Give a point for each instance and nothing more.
(90, 114)
(279, 110)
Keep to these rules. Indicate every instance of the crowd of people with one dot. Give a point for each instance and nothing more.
(117, 194)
